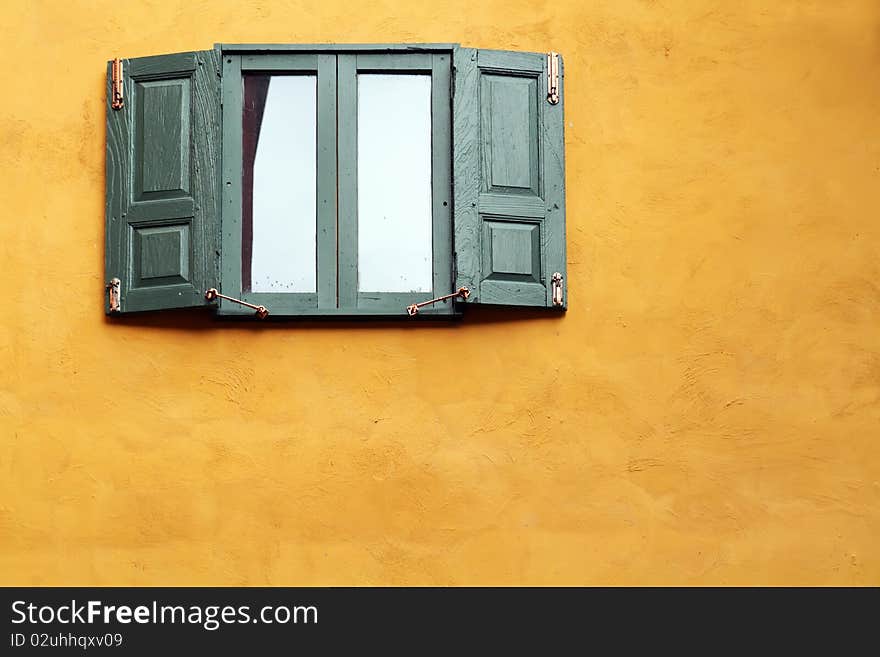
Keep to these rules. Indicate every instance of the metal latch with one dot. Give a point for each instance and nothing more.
(556, 282)
(116, 101)
(462, 292)
(113, 288)
(553, 77)
(260, 311)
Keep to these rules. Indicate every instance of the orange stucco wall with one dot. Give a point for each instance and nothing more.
(707, 412)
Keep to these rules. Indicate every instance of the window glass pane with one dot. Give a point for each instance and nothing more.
(279, 188)
(394, 183)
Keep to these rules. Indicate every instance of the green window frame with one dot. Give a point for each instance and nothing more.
(174, 180)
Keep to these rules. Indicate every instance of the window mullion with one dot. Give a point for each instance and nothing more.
(327, 182)
(348, 206)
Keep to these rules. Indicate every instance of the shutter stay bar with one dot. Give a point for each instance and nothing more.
(261, 311)
(462, 292)
(553, 77)
(116, 100)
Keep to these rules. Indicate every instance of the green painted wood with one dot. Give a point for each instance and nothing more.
(513, 248)
(230, 185)
(347, 184)
(412, 62)
(384, 311)
(279, 62)
(509, 204)
(161, 182)
(394, 302)
(509, 173)
(163, 66)
(161, 255)
(512, 256)
(553, 184)
(467, 173)
(279, 304)
(513, 62)
(438, 65)
(327, 174)
(441, 180)
(162, 134)
(509, 129)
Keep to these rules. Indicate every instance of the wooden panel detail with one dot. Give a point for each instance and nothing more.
(512, 250)
(509, 128)
(161, 255)
(162, 139)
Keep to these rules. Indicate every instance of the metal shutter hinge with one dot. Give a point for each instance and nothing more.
(116, 101)
(113, 288)
(462, 292)
(553, 77)
(556, 282)
(261, 311)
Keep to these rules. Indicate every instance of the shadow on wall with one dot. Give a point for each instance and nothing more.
(204, 319)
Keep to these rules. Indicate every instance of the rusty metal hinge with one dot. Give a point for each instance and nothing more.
(553, 77)
(261, 311)
(556, 282)
(113, 288)
(462, 292)
(116, 100)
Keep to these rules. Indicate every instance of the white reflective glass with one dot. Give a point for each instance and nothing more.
(284, 243)
(394, 183)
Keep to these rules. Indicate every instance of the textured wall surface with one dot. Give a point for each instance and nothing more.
(708, 411)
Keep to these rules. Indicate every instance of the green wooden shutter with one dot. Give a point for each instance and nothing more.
(509, 179)
(162, 220)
